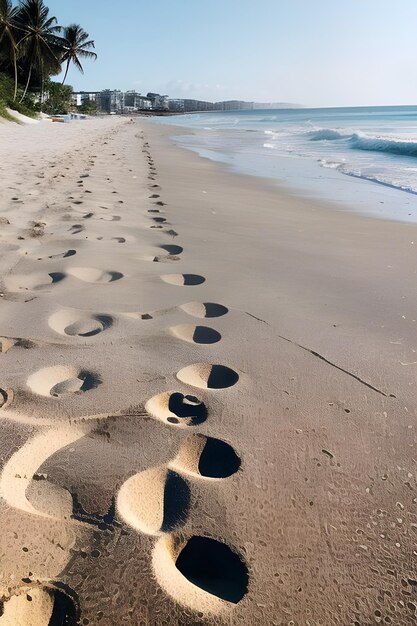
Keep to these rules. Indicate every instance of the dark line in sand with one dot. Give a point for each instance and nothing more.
(323, 358)
(257, 318)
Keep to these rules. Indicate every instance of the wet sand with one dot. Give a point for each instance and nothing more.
(208, 392)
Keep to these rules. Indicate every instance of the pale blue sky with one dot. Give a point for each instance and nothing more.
(312, 52)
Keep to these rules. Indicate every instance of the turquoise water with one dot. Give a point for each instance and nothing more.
(363, 159)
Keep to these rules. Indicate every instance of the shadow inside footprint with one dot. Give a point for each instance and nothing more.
(177, 499)
(222, 377)
(172, 249)
(196, 334)
(115, 276)
(36, 605)
(90, 380)
(64, 612)
(56, 276)
(193, 279)
(186, 407)
(218, 459)
(90, 327)
(3, 397)
(69, 253)
(214, 567)
(206, 457)
(205, 335)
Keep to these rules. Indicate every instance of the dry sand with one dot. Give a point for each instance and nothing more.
(208, 392)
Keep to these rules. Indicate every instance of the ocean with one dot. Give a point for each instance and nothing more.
(362, 159)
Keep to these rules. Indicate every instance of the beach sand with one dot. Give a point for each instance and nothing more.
(208, 392)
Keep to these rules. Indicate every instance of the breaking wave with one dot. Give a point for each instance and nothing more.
(392, 145)
(370, 143)
(327, 134)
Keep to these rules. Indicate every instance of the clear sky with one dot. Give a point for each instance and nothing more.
(312, 52)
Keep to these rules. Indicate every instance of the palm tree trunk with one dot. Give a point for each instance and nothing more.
(27, 82)
(66, 71)
(15, 75)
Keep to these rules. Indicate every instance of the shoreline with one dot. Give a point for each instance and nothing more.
(132, 266)
(301, 176)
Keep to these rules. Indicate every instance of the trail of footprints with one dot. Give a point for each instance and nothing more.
(199, 572)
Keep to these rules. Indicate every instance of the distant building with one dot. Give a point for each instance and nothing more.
(110, 101)
(159, 103)
(176, 105)
(80, 97)
(190, 105)
(233, 105)
(197, 105)
(134, 101)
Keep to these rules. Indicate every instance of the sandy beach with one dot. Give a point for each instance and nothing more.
(207, 392)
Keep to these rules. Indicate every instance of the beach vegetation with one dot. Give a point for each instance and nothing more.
(58, 98)
(27, 107)
(38, 46)
(77, 46)
(8, 43)
(34, 47)
(89, 107)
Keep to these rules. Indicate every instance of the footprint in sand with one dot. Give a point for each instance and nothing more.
(172, 250)
(208, 376)
(33, 282)
(177, 409)
(93, 275)
(201, 573)
(116, 239)
(76, 228)
(157, 501)
(171, 232)
(18, 475)
(61, 255)
(39, 606)
(204, 309)
(4, 395)
(172, 254)
(196, 334)
(79, 323)
(60, 380)
(111, 218)
(183, 279)
(206, 457)
(200, 310)
(198, 572)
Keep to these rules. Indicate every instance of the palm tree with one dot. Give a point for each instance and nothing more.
(76, 46)
(39, 43)
(8, 15)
